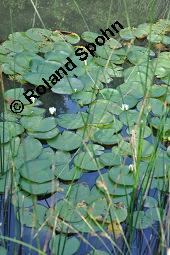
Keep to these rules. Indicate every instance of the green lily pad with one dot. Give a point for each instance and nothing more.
(110, 159)
(29, 149)
(37, 124)
(105, 184)
(69, 211)
(89, 36)
(68, 86)
(78, 193)
(105, 212)
(62, 245)
(23, 199)
(38, 170)
(72, 120)
(106, 136)
(87, 161)
(8, 130)
(3, 251)
(44, 135)
(67, 141)
(39, 188)
(154, 105)
(121, 175)
(84, 97)
(34, 218)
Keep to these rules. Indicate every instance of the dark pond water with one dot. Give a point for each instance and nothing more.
(76, 16)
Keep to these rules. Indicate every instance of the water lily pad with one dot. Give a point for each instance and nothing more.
(106, 136)
(72, 38)
(61, 244)
(8, 130)
(84, 97)
(16, 94)
(3, 251)
(34, 218)
(29, 149)
(37, 170)
(78, 193)
(68, 86)
(154, 105)
(121, 175)
(67, 141)
(110, 159)
(45, 135)
(89, 36)
(105, 212)
(129, 118)
(23, 199)
(127, 33)
(69, 211)
(39, 188)
(72, 120)
(37, 124)
(87, 161)
(105, 184)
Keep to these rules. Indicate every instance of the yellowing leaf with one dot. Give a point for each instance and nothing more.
(115, 227)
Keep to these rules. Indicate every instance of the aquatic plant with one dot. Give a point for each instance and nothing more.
(121, 138)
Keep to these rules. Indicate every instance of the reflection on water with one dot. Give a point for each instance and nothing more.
(66, 15)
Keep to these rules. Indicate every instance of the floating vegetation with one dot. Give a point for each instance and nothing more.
(121, 137)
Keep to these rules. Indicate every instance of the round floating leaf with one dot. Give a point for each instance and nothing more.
(45, 135)
(89, 36)
(157, 91)
(154, 105)
(68, 86)
(129, 118)
(8, 130)
(121, 175)
(87, 161)
(64, 173)
(105, 184)
(61, 244)
(141, 220)
(62, 169)
(37, 170)
(150, 202)
(142, 30)
(34, 218)
(72, 120)
(84, 97)
(3, 251)
(29, 149)
(127, 33)
(39, 188)
(62, 157)
(105, 212)
(79, 193)
(106, 136)
(29, 110)
(72, 38)
(37, 124)
(110, 159)
(16, 94)
(38, 34)
(143, 132)
(67, 141)
(23, 199)
(93, 148)
(69, 211)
